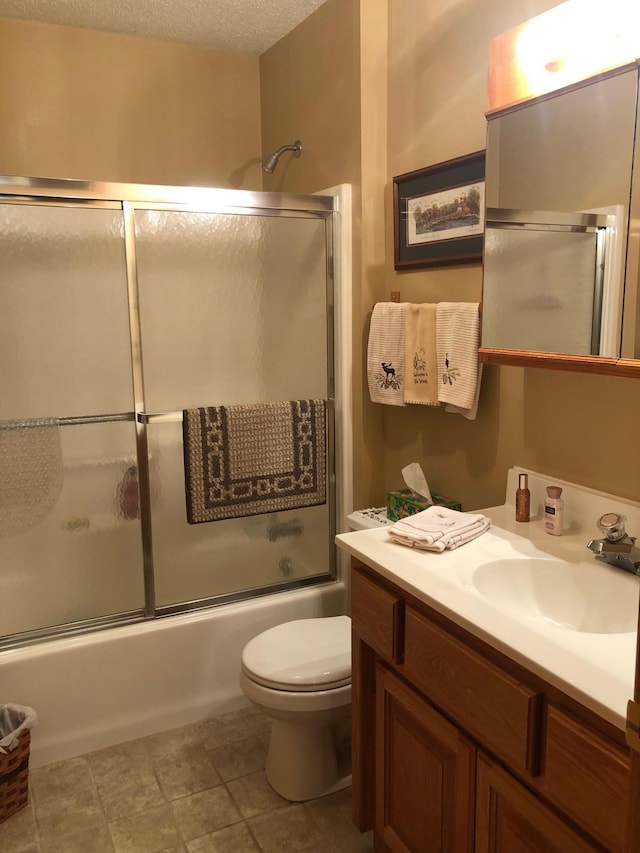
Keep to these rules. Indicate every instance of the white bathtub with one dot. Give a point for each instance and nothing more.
(123, 683)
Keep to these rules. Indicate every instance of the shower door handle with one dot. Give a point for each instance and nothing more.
(159, 417)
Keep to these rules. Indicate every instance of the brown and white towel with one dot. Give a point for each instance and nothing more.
(457, 342)
(421, 361)
(386, 352)
(251, 459)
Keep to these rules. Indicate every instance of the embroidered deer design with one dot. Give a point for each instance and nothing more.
(390, 372)
(390, 378)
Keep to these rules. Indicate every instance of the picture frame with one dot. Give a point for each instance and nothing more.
(438, 214)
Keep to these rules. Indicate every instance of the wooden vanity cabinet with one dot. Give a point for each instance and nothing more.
(457, 748)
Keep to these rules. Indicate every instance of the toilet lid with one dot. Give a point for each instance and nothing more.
(304, 655)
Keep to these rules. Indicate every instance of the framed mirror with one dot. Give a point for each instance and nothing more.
(560, 253)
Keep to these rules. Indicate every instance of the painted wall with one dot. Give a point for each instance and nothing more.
(554, 422)
(77, 103)
(323, 83)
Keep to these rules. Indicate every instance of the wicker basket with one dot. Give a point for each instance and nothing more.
(14, 777)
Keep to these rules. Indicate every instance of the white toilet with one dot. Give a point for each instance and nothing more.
(299, 674)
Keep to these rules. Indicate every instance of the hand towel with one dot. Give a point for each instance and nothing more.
(457, 341)
(439, 528)
(421, 361)
(385, 353)
(469, 414)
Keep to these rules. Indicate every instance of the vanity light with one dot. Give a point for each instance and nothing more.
(564, 46)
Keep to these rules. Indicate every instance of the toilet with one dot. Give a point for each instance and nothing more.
(299, 674)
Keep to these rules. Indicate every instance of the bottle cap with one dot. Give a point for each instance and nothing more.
(554, 491)
(523, 481)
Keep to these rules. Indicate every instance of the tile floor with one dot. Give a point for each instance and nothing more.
(197, 789)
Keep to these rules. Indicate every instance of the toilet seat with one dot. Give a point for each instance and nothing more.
(306, 655)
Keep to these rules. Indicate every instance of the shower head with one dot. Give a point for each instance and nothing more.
(271, 162)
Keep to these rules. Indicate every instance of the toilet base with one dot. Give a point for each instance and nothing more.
(305, 762)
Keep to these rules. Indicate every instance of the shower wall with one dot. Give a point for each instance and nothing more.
(116, 314)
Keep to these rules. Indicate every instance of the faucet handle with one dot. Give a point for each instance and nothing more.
(612, 526)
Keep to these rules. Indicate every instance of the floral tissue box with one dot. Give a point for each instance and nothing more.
(405, 502)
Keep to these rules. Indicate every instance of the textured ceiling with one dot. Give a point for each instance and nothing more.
(246, 26)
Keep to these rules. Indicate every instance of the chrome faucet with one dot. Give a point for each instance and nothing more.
(616, 548)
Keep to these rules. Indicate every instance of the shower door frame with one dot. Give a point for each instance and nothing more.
(128, 198)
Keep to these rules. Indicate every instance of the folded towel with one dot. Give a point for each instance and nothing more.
(457, 341)
(421, 362)
(439, 528)
(385, 353)
(251, 459)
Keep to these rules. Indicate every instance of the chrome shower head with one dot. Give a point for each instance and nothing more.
(271, 162)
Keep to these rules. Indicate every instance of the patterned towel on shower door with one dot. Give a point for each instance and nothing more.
(251, 459)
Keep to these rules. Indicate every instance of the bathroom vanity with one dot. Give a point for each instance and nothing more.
(490, 684)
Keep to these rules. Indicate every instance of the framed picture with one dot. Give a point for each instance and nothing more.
(438, 214)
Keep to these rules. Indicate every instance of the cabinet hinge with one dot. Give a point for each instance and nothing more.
(632, 731)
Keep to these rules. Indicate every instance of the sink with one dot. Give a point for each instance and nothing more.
(576, 596)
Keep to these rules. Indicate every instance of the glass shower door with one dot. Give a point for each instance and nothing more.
(235, 309)
(69, 531)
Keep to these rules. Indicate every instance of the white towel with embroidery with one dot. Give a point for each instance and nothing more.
(421, 362)
(469, 414)
(457, 342)
(385, 353)
(439, 528)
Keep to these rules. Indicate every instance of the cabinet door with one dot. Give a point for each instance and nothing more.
(425, 772)
(511, 820)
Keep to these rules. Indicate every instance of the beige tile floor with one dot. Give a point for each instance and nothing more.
(197, 789)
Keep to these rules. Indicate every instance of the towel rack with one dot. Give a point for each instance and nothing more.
(176, 417)
(70, 421)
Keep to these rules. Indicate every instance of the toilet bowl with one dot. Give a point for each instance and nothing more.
(299, 674)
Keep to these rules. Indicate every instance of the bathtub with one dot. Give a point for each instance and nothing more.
(122, 683)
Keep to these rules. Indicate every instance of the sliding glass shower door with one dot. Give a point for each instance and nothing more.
(120, 307)
(233, 310)
(69, 543)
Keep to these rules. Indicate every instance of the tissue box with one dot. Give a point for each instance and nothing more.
(404, 502)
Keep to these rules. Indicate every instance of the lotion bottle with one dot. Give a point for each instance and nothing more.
(523, 498)
(554, 511)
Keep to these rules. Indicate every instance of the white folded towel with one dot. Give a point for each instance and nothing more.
(457, 341)
(385, 353)
(439, 528)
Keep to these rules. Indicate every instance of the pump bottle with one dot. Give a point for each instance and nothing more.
(554, 511)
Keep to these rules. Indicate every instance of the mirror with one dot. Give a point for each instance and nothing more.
(558, 190)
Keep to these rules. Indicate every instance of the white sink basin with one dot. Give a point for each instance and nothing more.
(585, 597)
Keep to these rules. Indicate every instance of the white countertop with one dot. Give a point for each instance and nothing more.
(596, 669)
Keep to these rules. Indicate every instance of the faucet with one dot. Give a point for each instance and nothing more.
(276, 529)
(616, 548)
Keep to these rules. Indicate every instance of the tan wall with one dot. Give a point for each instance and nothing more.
(313, 89)
(77, 103)
(554, 422)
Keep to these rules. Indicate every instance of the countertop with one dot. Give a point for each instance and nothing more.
(596, 669)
